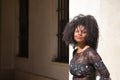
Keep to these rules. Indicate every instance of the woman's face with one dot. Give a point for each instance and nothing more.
(80, 34)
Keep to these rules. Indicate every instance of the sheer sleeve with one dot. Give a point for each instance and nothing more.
(99, 65)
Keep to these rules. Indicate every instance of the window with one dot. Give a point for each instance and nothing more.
(23, 28)
(63, 18)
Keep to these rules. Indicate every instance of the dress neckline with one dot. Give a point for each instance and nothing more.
(82, 50)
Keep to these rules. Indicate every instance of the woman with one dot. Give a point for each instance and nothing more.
(82, 32)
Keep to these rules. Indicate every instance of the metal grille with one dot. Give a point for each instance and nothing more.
(23, 28)
(63, 18)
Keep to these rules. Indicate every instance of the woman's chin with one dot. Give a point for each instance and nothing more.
(79, 41)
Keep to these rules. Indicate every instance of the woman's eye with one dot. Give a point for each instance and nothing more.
(77, 31)
(84, 32)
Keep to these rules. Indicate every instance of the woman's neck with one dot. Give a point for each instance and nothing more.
(81, 47)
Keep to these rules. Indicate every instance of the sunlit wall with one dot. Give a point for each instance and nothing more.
(107, 14)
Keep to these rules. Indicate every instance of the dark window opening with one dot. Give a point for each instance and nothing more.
(63, 18)
(23, 28)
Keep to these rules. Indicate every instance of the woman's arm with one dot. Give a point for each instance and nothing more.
(99, 65)
(101, 68)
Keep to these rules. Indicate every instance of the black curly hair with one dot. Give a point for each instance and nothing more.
(91, 26)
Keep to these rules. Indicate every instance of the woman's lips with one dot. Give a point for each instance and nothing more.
(79, 37)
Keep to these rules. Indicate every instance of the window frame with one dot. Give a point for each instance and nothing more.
(63, 18)
(23, 28)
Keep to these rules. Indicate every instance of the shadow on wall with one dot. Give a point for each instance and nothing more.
(22, 75)
(6, 74)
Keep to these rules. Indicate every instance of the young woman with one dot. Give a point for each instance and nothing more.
(82, 32)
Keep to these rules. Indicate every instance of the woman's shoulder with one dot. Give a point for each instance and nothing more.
(91, 51)
(93, 54)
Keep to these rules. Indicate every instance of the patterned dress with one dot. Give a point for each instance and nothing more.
(84, 65)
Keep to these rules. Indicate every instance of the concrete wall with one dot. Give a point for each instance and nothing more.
(107, 13)
(110, 44)
(42, 43)
(0, 31)
(7, 33)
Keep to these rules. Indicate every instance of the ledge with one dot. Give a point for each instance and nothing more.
(60, 63)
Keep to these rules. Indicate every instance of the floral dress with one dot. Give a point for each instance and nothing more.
(84, 65)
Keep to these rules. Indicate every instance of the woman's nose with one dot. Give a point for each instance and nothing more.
(79, 32)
